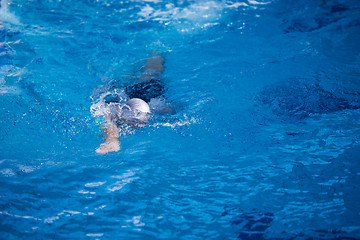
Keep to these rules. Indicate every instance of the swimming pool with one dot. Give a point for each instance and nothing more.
(264, 143)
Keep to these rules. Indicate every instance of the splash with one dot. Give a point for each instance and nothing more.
(6, 15)
(101, 108)
(188, 16)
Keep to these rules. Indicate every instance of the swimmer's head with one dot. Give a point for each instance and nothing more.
(135, 111)
(137, 104)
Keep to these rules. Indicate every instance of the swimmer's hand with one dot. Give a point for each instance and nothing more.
(112, 143)
(109, 146)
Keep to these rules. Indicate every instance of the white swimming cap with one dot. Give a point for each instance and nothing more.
(137, 104)
(135, 111)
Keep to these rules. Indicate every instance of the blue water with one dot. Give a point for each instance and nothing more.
(264, 144)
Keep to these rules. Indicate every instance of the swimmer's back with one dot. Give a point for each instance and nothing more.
(146, 90)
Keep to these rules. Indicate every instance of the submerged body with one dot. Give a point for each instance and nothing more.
(131, 106)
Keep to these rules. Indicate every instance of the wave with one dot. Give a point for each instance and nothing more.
(301, 99)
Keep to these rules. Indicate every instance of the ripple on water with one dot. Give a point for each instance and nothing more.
(220, 168)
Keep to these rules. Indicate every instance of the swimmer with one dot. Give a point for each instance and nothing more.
(144, 99)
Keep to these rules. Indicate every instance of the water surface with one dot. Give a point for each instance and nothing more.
(264, 143)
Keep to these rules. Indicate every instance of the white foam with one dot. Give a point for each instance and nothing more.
(18, 216)
(136, 220)
(237, 5)
(192, 17)
(185, 122)
(258, 3)
(94, 184)
(7, 172)
(118, 185)
(146, 11)
(6, 15)
(94, 234)
(100, 108)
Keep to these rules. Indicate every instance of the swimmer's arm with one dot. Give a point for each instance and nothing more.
(112, 143)
(153, 67)
(156, 62)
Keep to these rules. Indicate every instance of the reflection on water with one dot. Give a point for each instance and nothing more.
(302, 99)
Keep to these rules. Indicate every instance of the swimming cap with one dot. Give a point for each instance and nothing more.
(137, 104)
(135, 112)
